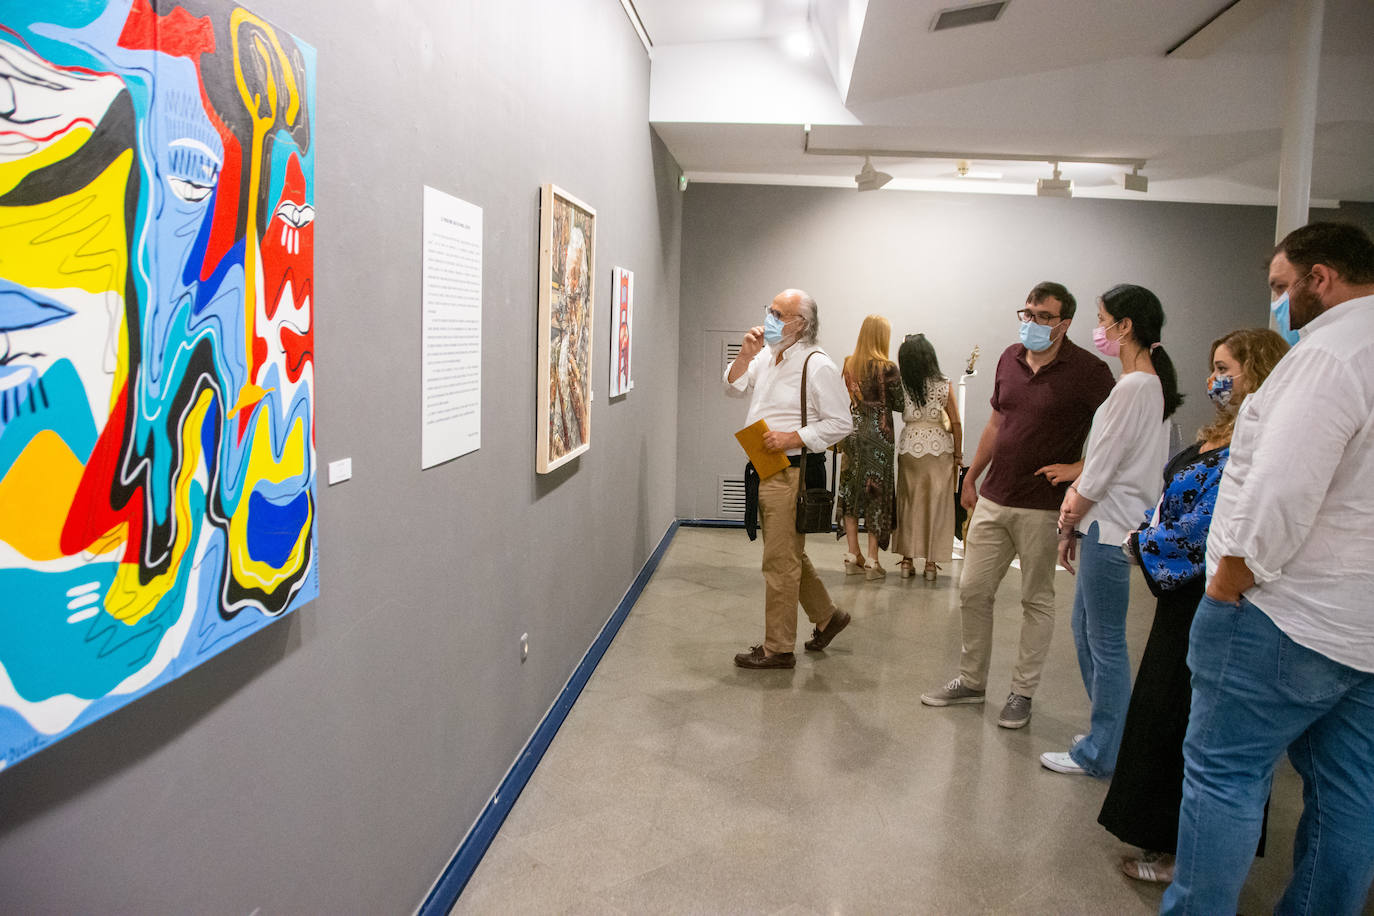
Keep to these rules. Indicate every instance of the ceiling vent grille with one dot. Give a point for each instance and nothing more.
(731, 498)
(968, 15)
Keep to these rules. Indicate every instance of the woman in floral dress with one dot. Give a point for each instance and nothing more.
(867, 486)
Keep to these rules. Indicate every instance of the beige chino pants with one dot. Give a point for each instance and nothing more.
(788, 575)
(997, 534)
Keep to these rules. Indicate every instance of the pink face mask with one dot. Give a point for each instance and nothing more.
(1106, 345)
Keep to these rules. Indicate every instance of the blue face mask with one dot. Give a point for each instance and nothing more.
(772, 329)
(1220, 391)
(1036, 337)
(1280, 309)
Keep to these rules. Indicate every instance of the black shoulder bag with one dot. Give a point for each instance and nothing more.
(815, 505)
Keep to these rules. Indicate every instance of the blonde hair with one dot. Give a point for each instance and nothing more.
(870, 351)
(1258, 350)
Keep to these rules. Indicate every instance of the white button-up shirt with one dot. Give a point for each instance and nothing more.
(1297, 497)
(777, 396)
(1124, 460)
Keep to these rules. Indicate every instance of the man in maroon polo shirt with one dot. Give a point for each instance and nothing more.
(1043, 400)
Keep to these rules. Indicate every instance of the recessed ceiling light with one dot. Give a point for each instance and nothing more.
(799, 44)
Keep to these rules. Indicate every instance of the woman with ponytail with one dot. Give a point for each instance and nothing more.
(1120, 481)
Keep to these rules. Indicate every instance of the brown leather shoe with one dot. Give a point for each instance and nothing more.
(820, 639)
(755, 658)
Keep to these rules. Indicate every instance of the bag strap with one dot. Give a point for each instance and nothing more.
(834, 453)
(805, 364)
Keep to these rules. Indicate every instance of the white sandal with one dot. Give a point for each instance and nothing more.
(853, 564)
(874, 570)
(1154, 867)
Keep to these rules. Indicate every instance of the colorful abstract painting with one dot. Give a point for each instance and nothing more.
(567, 263)
(157, 458)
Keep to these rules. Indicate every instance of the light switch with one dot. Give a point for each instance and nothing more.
(340, 470)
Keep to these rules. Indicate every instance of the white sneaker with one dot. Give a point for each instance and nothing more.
(1060, 762)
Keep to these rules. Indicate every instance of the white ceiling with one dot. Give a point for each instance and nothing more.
(1077, 78)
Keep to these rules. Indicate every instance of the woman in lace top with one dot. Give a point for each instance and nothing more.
(928, 458)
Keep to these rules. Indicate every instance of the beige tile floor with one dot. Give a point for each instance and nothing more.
(681, 784)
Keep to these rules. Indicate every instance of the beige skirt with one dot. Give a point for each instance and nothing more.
(925, 507)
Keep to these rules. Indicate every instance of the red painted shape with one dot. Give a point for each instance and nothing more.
(178, 33)
(224, 225)
(289, 255)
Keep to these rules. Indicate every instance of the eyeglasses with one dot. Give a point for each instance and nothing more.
(778, 315)
(1037, 317)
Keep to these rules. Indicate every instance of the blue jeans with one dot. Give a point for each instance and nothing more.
(1256, 692)
(1099, 634)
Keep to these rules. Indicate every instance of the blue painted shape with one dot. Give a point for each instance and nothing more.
(22, 308)
(274, 528)
(67, 413)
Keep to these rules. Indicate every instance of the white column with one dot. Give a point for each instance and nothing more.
(1299, 116)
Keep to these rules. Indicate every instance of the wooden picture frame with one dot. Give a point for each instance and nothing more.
(567, 272)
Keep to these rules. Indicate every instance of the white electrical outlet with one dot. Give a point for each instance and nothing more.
(524, 646)
(340, 470)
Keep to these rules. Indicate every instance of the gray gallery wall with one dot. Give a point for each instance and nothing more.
(955, 267)
(333, 762)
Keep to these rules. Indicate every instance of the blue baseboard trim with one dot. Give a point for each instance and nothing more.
(721, 523)
(455, 876)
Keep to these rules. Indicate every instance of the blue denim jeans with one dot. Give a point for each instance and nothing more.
(1099, 634)
(1256, 692)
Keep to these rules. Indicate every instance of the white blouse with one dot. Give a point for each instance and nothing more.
(923, 430)
(1124, 461)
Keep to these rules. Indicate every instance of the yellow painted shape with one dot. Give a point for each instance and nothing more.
(249, 395)
(16, 170)
(73, 242)
(263, 466)
(129, 600)
(36, 495)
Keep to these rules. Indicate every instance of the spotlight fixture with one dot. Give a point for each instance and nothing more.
(1135, 181)
(869, 178)
(1054, 187)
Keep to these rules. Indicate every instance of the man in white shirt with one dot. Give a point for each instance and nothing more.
(769, 365)
(1282, 647)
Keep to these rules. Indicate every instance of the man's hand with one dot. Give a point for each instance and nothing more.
(968, 496)
(774, 441)
(1061, 473)
(1068, 551)
(752, 344)
(1230, 580)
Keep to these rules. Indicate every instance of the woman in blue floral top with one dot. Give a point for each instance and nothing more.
(1142, 805)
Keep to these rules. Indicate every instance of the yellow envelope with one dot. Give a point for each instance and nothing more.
(766, 463)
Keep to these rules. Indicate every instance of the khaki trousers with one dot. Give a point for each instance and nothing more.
(788, 575)
(996, 534)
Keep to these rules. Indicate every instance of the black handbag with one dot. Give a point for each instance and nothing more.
(815, 505)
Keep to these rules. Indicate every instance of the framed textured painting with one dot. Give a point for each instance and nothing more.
(567, 264)
(157, 406)
(622, 324)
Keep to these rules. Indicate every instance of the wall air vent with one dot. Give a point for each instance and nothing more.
(968, 15)
(729, 350)
(730, 503)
